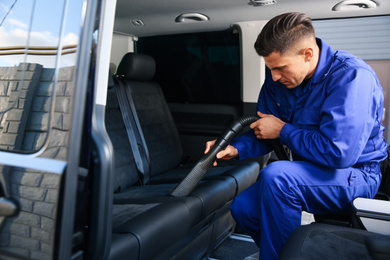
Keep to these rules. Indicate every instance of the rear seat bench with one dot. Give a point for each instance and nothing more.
(147, 221)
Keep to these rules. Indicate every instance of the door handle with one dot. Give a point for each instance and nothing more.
(8, 207)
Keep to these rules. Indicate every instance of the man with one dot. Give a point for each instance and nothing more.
(326, 107)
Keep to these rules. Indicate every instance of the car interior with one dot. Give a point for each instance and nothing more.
(107, 160)
(198, 78)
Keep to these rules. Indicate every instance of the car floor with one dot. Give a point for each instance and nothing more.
(238, 246)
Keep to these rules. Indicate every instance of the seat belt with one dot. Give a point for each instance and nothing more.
(141, 137)
(134, 131)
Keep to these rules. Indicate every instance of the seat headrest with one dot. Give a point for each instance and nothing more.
(136, 66)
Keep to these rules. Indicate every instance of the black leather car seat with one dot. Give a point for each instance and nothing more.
(144, 209)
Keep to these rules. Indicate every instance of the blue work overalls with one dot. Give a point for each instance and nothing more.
(335, 134)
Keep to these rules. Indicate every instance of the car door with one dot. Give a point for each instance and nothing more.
(45, 57)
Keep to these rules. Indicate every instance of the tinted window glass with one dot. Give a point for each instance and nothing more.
(196, 68)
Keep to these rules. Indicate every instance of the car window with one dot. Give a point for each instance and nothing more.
(197, 67)
(37, 61)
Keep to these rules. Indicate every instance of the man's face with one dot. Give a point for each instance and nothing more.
(288, 69)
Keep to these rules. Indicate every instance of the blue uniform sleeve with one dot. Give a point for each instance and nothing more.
(248, 145)
(346, 120)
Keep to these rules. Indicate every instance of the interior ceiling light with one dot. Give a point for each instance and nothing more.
(137, 22)
(350, 5)
(262, 2)
(191, 17)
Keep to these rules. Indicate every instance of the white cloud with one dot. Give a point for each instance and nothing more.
(70, 38)
(17, 23)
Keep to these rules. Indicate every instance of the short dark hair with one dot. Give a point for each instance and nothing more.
(282, 32)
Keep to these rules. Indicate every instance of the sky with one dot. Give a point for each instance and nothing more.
(38, 23)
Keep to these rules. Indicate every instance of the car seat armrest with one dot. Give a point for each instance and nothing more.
(373, 215)
(372, 205)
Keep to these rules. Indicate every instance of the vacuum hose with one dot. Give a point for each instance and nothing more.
(187, 185)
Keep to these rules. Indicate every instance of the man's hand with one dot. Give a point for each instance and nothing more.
(267, 127)
(229, 152)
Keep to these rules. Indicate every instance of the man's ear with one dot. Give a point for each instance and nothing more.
(308, 54)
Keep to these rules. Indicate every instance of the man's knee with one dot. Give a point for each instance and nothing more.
(275, 172)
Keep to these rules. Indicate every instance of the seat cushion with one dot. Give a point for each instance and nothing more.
(212, 193)
(155, 229)
(123, 213)
(324, 241)
(208, 197)
(177, 174)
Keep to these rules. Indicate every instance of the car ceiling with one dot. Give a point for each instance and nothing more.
(157, 17)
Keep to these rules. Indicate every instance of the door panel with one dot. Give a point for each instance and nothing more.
(35, 189)
(31, 232)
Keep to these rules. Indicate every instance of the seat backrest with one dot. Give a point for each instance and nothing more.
(125, 172)
(158, 128)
